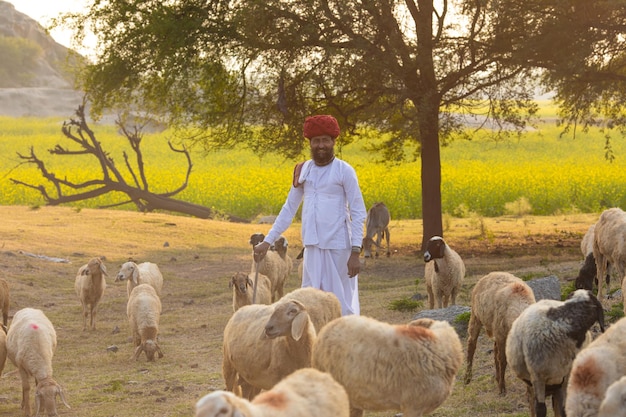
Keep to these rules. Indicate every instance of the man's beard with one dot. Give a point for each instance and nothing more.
(322, 158)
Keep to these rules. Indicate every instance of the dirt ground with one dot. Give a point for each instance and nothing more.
(197, 258)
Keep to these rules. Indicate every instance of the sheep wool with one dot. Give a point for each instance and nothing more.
(594, 369)
(410, 368)
(543, 342)
(143, 273)
(272, 265)
(498, 299)
(321, 306)
(265, 343)
(609, 245)
(5, 302)
(443, 273)
(614, 403)
(306, 392)
(89, 286)
(144, 311)
(31, 342)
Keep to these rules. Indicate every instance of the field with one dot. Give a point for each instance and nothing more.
(541, 173)
(197, 258)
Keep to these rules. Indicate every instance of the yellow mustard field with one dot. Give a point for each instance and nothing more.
(541, 173)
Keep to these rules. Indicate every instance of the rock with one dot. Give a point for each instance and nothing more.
(448, 314)
(547, 288)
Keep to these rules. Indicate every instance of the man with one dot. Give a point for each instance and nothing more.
(333, 215)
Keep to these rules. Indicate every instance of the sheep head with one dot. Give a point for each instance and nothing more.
(95, 267)
(289, 318)
(240, 281)
(151, 347)
(256, 238)
(128, 271)
(45, 397)
(221, 403)
(434, 248)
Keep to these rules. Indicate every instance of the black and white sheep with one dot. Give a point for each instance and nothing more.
(89, 286)
(144, 312)
(443, 273)
(242, 285)
(31, 342)
(609, 245)
(594, 369)
(306, 392)
(272, 265)
(410, 367)
(498, 299)
(143, 273)
(265, 343)
(543, 342)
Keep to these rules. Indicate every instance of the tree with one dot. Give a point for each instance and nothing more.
(112, 180)
(411, 69)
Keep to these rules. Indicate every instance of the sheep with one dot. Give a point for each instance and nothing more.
(31, 342)
(542, 344)
(609, 245)
(242, 285)
(280, 246)
(5, 302)
(586, 244)
(263, 344)
(3, 350)
(143, 273)
(376, 224)
(409, 367)
(444, 273)
(498, 298)
(144, 310)
(322, 306)
(272, 265)
(587, 273)
(306, 392)
(594, 369)
(89, 286)
(614, 403)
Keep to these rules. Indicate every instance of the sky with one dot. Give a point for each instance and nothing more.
(44, 11)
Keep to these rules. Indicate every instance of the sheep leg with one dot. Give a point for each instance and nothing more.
(379, 238)
(387, 239)
(25, 392)
(540, 398)
(453, 296)
(473, 331)
(499, 353)
(558, 403)
(93, 317)
(85, 314)
(355, 412)
(530, 395)
(230, 375)
(431, 297)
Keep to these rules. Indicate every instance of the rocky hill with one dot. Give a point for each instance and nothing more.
(35, 71)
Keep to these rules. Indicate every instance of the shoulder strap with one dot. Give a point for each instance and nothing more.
(296, 174)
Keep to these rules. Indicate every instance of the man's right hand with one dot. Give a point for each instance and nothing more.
(260, 250)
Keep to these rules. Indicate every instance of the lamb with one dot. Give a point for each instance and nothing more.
(5, 302)
(90, 285)
(272, 265)
(31, 342)
(614, 403)
(263, 344)
(543, 342)
(306, 392)
(498, 298)
(409, 367)
(143, 273)
(444, 273)
(609, 245)
(144, 310)
(322, 306)
(594, 369)
(242, 285)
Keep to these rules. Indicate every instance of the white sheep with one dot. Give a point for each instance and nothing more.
(280, 246)
(498, 298)
(5, 302)
(586, 244)
(272, 265)
(587, 273)
(614, 403)
(90, 285)
(609, 245)
(543, 342)
(322, 306)
(3, 350)
(31, 342)
(443, 273)
(263, 344)
(242, 285)
(594, 369)
(144, 311)
(306, 392)
(143, 273)
(409, 367)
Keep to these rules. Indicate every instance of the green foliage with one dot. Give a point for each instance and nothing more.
(519, 207)
(566, 290)
(404, 305)
(615, 313)
(463, 317)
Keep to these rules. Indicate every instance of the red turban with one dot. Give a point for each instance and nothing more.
(320, 125)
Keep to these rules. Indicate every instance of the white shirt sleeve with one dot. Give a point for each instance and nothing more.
(286, 214)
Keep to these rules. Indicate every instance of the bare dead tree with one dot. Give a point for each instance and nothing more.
(112, 180)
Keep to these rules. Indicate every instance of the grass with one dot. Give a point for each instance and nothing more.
(197, 258)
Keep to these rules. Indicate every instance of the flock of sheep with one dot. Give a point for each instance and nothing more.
(31, 339)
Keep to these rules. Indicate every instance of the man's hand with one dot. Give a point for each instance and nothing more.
(354, 264)
(260, 250)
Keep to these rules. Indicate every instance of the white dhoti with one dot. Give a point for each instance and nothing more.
(327, 270)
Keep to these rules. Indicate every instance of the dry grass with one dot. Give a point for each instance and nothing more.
(197, 257)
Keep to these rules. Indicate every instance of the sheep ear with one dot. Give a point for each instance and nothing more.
(249, 281)
(61, 395)
(231, 283)
(103, 269)
(298, 325)
(138, 351)
(135, 275)
(37, 402)
(159, 351)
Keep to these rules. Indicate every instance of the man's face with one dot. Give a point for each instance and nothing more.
(322, 149)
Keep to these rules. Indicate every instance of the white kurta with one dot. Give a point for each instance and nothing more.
(333, 215)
